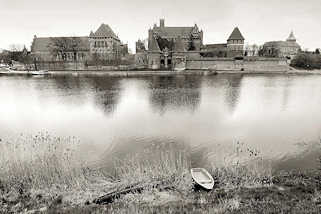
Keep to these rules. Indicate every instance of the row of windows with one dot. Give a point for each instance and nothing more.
(236, 41)
(103, 38)
(100, 44)
(71, 56)
(236, 47)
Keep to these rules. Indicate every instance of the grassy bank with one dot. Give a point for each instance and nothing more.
(45, 174)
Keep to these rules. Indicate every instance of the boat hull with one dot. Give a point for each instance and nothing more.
(202, 178)
(9, 71)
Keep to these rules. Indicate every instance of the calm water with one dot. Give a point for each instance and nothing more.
(277, 115)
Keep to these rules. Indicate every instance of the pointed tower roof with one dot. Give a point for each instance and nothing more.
(236, 34)
(105, 31)
(153, 45)
(91, 34)
(291, 38)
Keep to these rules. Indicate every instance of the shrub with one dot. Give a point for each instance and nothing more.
(307, 61)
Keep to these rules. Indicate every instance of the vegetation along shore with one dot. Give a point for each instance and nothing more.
(51, 177)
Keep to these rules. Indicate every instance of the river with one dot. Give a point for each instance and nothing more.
(278, 116)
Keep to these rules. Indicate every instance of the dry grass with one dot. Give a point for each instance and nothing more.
(42, 161)
(161, 162)
(52, 165)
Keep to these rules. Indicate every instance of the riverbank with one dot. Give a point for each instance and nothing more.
(304, 71)
(145, 72)
(288, 192)
(138, 73)
(156, 73)
(50, 178)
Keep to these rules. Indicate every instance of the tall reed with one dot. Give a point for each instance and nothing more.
(41, 160)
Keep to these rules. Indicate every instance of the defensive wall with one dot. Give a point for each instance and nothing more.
(253, 64)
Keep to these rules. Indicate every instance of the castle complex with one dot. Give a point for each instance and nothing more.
(168, 47)
(172, 48)
(288, 48)
(233, 48)
(103, 44)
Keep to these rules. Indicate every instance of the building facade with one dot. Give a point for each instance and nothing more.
(167, 45)
(288, 48)
(233, 48)
(103, 44)
(235, 44)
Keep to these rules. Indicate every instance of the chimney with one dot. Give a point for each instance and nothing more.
(162, 23)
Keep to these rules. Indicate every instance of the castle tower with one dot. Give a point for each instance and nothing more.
(291, 37)
(105, 43)
(162, 23)
(235, 43)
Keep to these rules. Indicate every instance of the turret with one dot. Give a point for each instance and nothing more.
(162, 23)
(291, 37)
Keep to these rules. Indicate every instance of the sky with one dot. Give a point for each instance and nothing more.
(259, 20)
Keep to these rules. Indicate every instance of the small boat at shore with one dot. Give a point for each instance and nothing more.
(6, 70)
(202, 178)
(179, 69)
(40, 72)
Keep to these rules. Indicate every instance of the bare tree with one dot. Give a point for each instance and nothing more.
(247, 50)
(255, 49)
(16, 47)
(60, 46)
(96, 59)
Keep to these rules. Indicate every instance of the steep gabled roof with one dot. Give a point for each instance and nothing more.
(236, 35)
(43, 44)
(105, 31)
(173, 32)
(153, 45)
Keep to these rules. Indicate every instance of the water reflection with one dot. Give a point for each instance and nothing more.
(123, 115)
(175, 92)
(106, 92)
(232, 93)
(286, 92)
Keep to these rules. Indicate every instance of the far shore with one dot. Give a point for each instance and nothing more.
(145, 72)
(128, 73)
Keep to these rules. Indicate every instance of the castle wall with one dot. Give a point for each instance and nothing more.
(229, 64)
(141, 59)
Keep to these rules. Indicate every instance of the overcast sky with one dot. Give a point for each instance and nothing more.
(258, 20)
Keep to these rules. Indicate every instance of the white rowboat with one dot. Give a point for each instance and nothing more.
(202, 178)
(40, 72)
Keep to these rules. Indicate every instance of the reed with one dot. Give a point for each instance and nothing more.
(41, 161)
(161, 162)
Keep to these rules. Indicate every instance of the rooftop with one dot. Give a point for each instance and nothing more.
(174, 32)
(44, 43)
(104, 31)
(236, 35)
(291, 37)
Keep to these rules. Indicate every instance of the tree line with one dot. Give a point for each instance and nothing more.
(307, 60)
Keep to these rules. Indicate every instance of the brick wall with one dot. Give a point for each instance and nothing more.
(258, 65)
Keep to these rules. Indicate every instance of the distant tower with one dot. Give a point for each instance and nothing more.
(235, 43)
(162, 23)
(291, 38)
